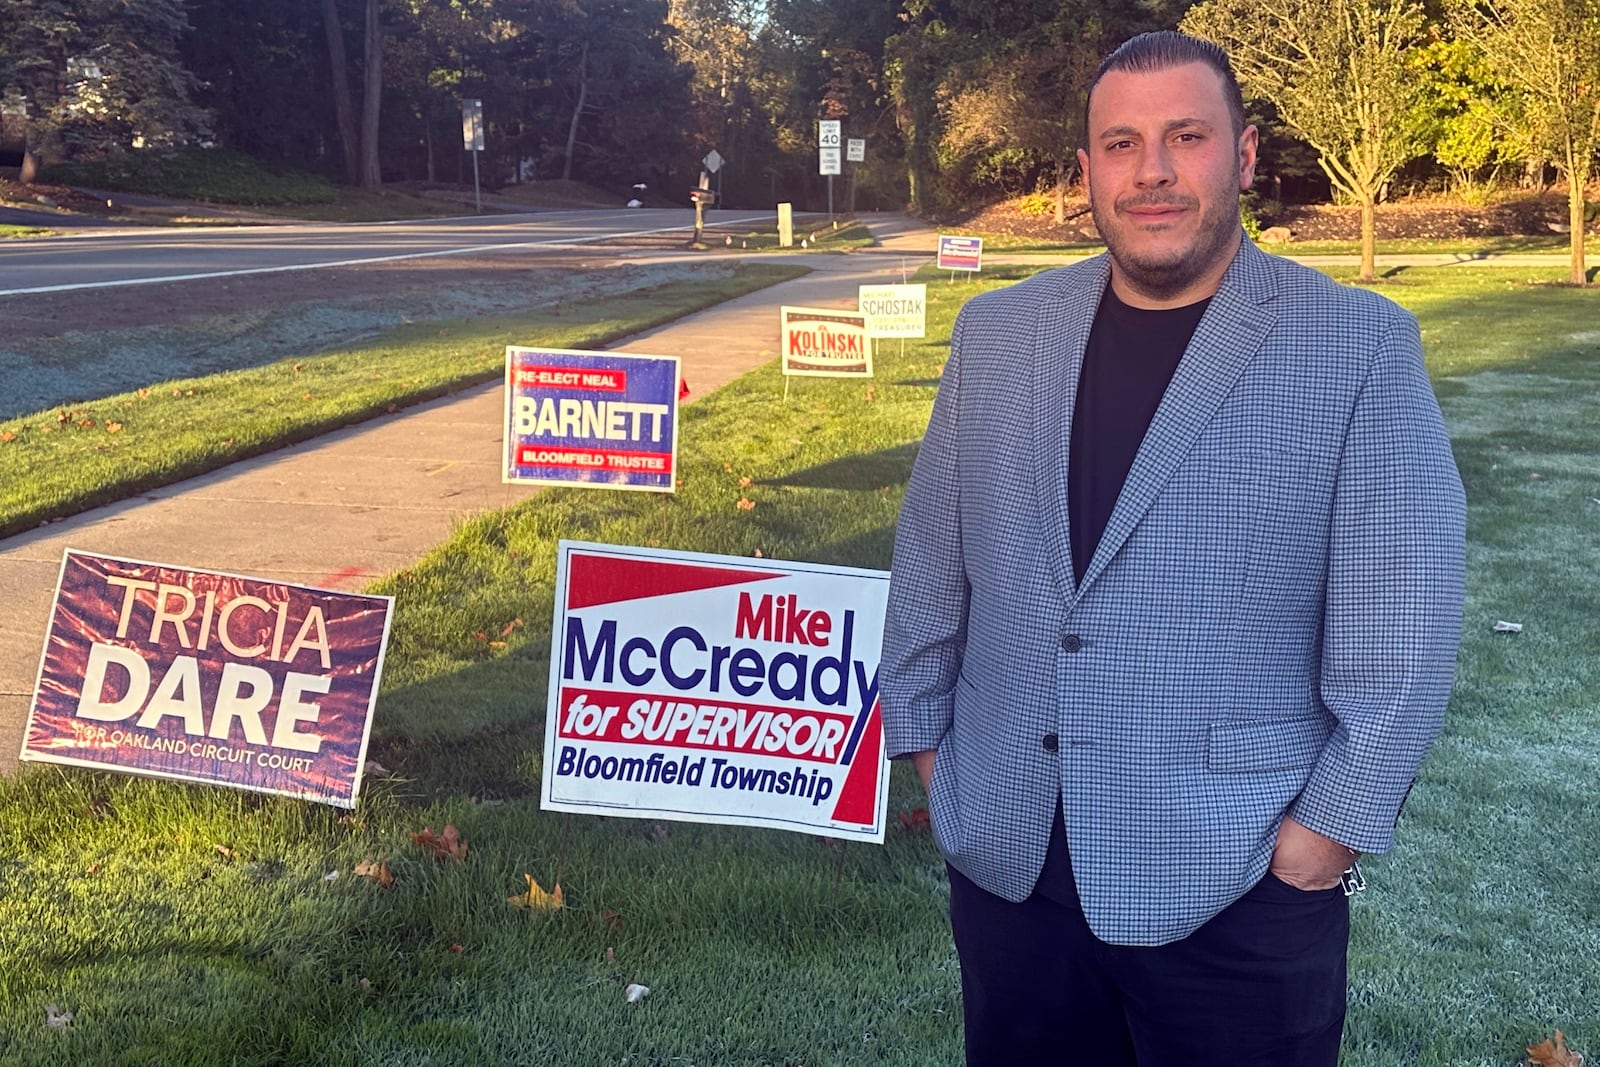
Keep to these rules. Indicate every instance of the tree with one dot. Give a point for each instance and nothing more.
(1549, 52)
(1336, 70)
(97, 76)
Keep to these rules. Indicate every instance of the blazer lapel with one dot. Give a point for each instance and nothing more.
(1228, 337)
(1063, 334)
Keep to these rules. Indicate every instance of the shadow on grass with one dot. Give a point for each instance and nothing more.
(866, 472)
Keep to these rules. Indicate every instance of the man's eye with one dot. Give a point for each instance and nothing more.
(1118, 145)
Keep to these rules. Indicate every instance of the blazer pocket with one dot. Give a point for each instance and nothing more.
(1266, 744)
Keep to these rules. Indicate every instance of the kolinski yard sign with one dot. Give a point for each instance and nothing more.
(825, 342)
(716, 689)
(208, 677)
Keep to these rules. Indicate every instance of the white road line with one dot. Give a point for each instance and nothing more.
(357, 262)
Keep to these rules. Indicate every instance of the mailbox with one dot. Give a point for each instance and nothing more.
(703, 196)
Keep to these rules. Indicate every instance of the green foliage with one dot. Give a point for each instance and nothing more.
(1248, 219)
(212, 174)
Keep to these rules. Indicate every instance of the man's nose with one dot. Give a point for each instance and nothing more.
(1155, 167)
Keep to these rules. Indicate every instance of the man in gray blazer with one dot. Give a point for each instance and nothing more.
(1176, 597)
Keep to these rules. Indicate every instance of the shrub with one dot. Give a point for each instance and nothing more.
(218, 175)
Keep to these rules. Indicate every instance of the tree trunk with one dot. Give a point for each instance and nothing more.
(371, 174)
(1575, 207)
(30, 165)
(577, 111)
(1369, 236)
(343, 109)
(1061, 190)
(427, 137)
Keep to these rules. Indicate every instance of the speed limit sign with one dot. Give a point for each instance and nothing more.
(828, 133)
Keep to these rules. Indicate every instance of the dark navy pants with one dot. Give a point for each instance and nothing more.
(1262, 983)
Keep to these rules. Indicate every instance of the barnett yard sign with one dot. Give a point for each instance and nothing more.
(716, 689)
(825, 342)
(208, 677)
(603, 419)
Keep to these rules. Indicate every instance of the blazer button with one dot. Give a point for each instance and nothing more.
(1050, 742)
(1072, 642)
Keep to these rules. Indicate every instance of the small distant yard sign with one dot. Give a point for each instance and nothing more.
(960, 253)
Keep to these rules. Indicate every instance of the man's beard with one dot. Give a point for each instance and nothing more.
(1164, 275)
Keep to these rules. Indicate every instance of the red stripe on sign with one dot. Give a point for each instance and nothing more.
(858, 800)
(608, 381)
(593, 579)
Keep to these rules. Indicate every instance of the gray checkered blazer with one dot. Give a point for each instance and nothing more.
(1268, 626)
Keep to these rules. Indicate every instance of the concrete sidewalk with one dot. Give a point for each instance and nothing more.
(349, 507)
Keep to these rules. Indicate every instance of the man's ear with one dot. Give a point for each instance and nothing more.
(1083, 165)
(1249, 142)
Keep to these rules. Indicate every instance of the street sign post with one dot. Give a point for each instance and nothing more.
(855, 152)
(829, 142)
(713, 163)
(472, 140)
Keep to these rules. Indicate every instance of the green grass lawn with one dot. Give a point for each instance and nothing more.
(68, 459)
(25, 231)
(1480, 935)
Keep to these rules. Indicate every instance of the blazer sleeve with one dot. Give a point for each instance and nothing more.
(1395, 588)
(926, 623)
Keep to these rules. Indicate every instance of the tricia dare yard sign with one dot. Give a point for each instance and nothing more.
(208, 677)
(716, 689)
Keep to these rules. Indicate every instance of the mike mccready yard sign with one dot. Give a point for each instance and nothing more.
(208, 677)
(591, 418)
(716, 689)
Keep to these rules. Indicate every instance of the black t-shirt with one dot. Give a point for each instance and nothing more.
(1131, 357)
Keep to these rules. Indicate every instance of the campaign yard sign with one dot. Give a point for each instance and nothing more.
(208, 677)
(603, 419)
(960, 253)
(894, 310)
(716, 689)
(825, 342)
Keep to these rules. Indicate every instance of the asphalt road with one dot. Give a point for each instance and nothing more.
(64, 263)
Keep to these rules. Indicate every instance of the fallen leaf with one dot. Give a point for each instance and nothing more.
(872, 394)
(7, 436)
(745, 504)
(611, 954)
(916, 821)
(443, 846)
(225, 852)
(113, 427)
(94, 868)
(744, 483)
(55, 1018)
(510, 626)
(1554, 1053)
(379, 872)
(536, 898)
(143, 393)
(636, 992)
(365, 983)
(331, 876)
(611, 919)
(759, 555)
(377, 770)
(455, 946)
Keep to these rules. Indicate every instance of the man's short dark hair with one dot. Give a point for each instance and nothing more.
(1163, 50)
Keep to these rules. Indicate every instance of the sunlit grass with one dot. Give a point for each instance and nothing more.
(1477, 937)
(68, 459)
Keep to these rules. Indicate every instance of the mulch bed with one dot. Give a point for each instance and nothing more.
(1524, 214)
